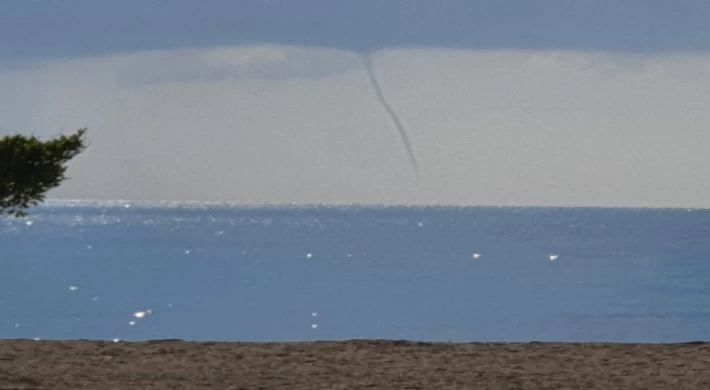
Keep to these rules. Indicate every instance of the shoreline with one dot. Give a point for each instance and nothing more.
(399, 342)
(351, 364)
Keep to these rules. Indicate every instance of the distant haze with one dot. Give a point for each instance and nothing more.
(269, 122)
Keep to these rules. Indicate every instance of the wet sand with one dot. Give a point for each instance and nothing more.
(363, 364)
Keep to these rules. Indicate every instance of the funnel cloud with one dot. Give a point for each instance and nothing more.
(398, 124)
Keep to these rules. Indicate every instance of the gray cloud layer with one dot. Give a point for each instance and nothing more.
(78, 28)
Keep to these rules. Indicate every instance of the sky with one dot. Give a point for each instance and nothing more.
(508, 102)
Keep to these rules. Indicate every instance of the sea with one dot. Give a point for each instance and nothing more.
(128, 271)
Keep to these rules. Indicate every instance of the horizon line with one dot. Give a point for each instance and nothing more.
(128, 203)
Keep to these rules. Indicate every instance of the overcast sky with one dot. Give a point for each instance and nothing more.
(593, 103)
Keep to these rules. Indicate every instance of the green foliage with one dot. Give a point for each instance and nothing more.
(30, 167)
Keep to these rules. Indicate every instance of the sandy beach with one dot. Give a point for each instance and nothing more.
(360, 364)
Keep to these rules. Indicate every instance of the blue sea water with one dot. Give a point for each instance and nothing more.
(218, 272)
